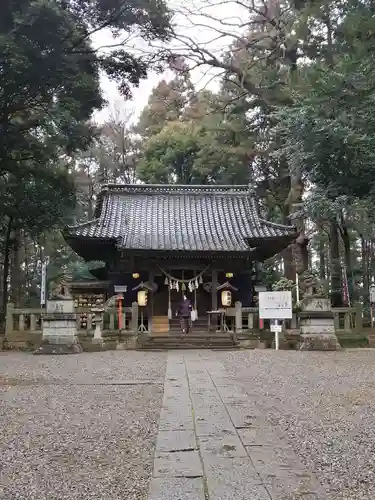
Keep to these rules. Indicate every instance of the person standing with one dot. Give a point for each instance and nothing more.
(184, 313)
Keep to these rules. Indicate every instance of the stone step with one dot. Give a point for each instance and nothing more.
(190, 341)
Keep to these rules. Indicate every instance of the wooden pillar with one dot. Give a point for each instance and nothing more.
(151, 276)
(214, 289)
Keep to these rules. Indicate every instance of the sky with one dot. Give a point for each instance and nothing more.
(209, 23)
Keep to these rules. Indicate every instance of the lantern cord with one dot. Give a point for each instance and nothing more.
(172, 278)
(195, 304)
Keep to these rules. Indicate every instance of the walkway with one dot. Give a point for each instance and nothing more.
(214, 443)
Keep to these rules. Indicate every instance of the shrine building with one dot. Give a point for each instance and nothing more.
(171, 240)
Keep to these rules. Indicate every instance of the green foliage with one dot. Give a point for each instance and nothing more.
(50, 87)
(166, 104)
(283, 284)
(188, 139)
(329, 131)
(191, 153)
(37, 204)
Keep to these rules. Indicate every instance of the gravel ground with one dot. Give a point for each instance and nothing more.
(324, 403)
(79, 427)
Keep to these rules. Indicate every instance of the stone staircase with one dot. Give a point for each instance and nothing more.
(198, 338)
(194, 340)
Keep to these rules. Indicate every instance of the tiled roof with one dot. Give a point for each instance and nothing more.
(171, 217)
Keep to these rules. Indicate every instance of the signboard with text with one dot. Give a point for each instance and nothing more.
(275, 305)
(60, 306)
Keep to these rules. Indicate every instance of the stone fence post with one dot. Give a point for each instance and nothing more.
(238, 317)
(98, 319)
(9, 320)
(358, 317)
(134, 317)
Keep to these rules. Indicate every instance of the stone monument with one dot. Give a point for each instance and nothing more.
(316, 318)
(59, 328)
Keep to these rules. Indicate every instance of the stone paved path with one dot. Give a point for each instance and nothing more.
(215, 444)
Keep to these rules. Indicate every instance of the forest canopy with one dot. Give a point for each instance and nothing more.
(289, 111)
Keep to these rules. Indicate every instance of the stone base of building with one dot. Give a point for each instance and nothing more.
(319, 342)
(59, 346)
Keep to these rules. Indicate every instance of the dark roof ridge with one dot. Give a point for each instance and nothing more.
(175, 188)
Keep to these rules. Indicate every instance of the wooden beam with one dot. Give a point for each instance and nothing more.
(214, 289)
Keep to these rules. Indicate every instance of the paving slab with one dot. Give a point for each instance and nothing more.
(277, 455)
(233, 478)
(173, 420)
(215, 443)
(178, 464)
(176, 488)
(224, 445)
(175, 441)
(260, 435)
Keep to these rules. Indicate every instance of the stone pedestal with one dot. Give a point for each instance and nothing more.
(317, 325)
(59, 329)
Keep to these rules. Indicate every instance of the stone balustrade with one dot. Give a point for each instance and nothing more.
(23, 325)
(23, 328)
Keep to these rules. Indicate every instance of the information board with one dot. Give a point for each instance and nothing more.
(275, 305)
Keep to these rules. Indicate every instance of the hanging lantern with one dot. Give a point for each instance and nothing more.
(135, 275)
(226, 298)
(229, 275)
(142, 298)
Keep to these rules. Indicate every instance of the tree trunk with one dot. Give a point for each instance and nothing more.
(7, 247)
(348, 262)
(336, 278)
(322, 260)
(365, 268)
(289, 266)
(293, 202)
(16, 278)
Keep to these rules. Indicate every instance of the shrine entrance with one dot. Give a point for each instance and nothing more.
(172, 286)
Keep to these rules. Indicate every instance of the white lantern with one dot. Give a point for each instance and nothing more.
(142, 298)
(226, 298)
